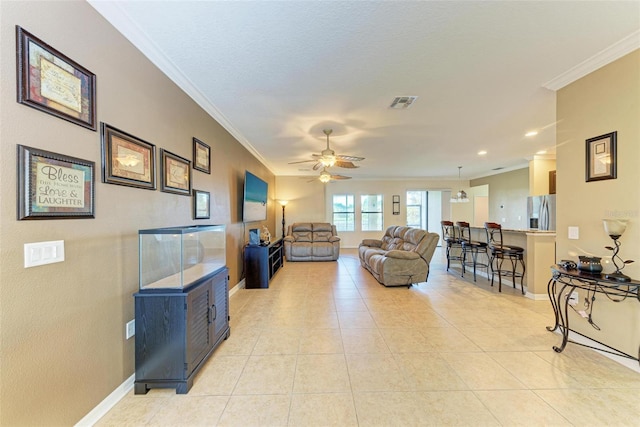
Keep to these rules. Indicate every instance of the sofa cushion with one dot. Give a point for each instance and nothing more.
(303, 249)
(322, 249)
(321, 236)
(322, 226)
(303, 236)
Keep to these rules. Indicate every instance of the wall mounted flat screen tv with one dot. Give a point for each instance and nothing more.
(254, 206)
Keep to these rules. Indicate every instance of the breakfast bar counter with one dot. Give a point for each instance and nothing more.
(539, 255)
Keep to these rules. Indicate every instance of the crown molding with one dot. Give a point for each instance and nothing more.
(600, 59)
(121, 21)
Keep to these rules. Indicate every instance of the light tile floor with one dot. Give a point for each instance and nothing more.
(327, 345)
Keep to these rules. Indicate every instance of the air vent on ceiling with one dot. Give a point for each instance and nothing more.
(402, 102)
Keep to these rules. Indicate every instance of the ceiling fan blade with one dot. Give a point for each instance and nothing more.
(301, 161)
(346, 165)
(349, 158)
(336, 177)
(311, 180)
(317, 166)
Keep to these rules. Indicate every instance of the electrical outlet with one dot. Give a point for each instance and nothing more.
(574, 233)
(130, 329)
(573, 298)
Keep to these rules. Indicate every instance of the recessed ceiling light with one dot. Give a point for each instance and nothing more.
(482, 152)
(531, 133)
(542, 152)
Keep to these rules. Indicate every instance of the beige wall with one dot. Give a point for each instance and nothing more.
(539, 169)
(63, 348)
(508, 194)
(604, 101)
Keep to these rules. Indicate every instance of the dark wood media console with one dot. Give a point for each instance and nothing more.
(261, 263)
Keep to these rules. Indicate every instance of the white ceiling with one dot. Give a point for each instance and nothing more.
(275, 73)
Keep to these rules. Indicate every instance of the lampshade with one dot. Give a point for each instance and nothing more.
(615, 227)
(283, 202)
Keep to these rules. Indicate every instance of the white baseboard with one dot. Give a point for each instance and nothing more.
(109, 402)
(537, 297)
(237, 287)
(629, 363)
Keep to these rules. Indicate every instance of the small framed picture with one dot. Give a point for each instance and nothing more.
(201, 204)
(54, 186)
(601, 157)
(201, 156)
(175, 174)
(52, 82)
(126, 159)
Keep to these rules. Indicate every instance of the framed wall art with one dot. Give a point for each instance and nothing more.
(601, 157)
(396, 204)
(51, 82)
(175, 174)
(201, 156)
(54, 186)
(201, 204)
(126, 159)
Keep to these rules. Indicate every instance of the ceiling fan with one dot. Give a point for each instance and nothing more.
(326, 176)
(328, 158)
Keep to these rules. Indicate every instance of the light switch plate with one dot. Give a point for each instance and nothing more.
(42, 253)
(574, 233)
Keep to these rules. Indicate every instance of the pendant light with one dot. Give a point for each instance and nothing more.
(461, 196)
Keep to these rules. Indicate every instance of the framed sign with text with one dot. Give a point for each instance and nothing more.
(52, 82)
(54, 186)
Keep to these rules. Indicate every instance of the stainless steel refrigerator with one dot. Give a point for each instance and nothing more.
(541, 212)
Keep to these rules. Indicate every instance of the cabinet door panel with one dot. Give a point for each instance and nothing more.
(222, 311)
(154, 337)
(199, 340)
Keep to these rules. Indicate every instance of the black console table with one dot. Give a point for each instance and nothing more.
(562, 284)
(261, 262)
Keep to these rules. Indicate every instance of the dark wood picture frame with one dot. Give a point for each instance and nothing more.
(126, 159)
(201, 156)
(54, 186)
(201, 204)
(52, 82)
(175, 174)
(601, 159)
(396, 204)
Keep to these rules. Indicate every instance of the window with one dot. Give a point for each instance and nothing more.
(344, 212)
(371, 206)
(416, 209)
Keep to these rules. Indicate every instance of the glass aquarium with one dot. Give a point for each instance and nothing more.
(176, 257)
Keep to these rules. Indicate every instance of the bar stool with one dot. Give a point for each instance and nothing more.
(501, 252)
(473, 248)
(451, 238)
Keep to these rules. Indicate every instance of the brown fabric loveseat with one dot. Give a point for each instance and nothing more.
(311, 241)
(401, 257)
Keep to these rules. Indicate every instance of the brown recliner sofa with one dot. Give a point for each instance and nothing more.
(311, 241)
(401, 257)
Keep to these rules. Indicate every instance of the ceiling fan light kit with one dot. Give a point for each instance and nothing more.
(328, 158)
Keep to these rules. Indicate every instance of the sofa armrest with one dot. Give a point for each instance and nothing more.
(334, 239)
(402, 254)
(289, 239)
(374, 243)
